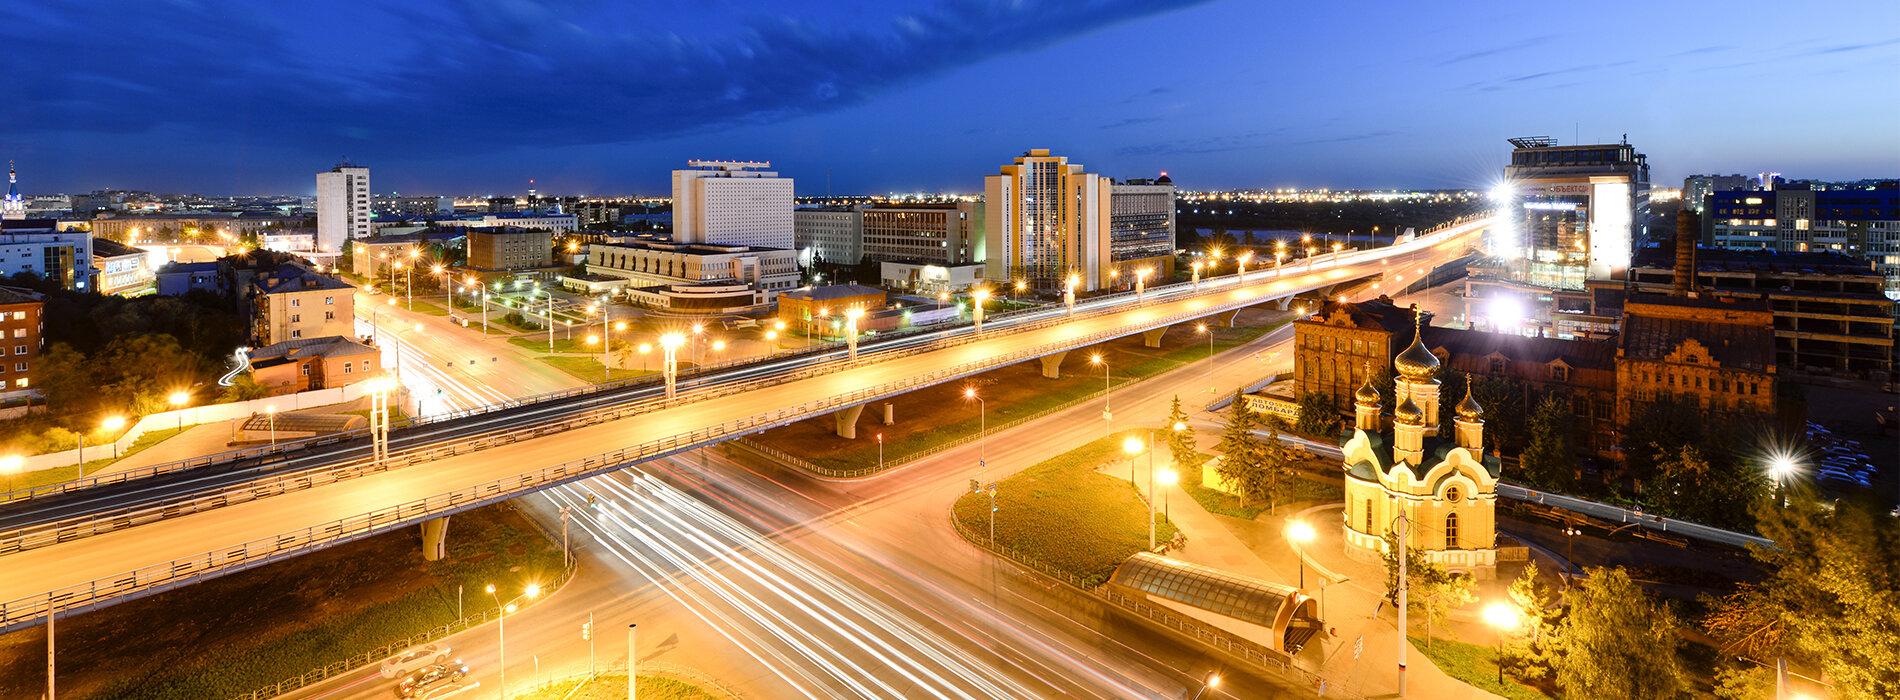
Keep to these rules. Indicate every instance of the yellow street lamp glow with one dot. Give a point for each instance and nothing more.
(532, 591)
(718, 345)
(490, 588)
(854, 313)
(1095, 358)
(12, 464)
(699, 328)
(593, 339)
(179, 398)
(1168, 477)
(113, 423)
(437, 269)
(771, 335)
(981, 295)
(1131, 445)
(1299, 531)
(1214, 252)
(620, 325)
(778, 325)
(969, 392)
(1179, 426)
(672, 340)
(1021, 285)
(1200, 328)
(1501, 615)
(1213, 680)
(646, 348)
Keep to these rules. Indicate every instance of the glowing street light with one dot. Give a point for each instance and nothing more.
(1240, 269)
(271, 412)
(179, 399)
(1202, 329)
(669, 363)
(1212, 681)
(1302, 534)
(1196, 267)
(1108, 416)
(11, 465)
(979, 296)
(530, 592)
(112, 424)
(851, 316)
(1068, 292)
(1168, 478)
(1141, 281)
(1505, 618)
(982, 429)
(1782, 467)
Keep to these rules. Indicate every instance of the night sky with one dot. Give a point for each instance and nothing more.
(904, 95)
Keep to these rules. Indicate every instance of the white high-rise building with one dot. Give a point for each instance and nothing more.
(732, 203)
(1047, 220)
(343, 206)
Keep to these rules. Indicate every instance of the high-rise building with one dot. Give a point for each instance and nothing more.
(1141, 226)
(832, 235)
(38, 246)
(343, 206)
(732, 203)
(1697, 188)
(1045, 220)
(1573, 212)
(1859, 222)
(934, 233)
(13, 206)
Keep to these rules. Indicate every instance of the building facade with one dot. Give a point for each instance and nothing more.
(510, 248)
(814, 310)
(37, 246)
(1141, 227)
(122, 269)
(829, 234)
(540, 221)
(1047, 220)
(343, 206)
(292, 302)
(1716, 351)
(688, 273)
(210, 228)
(944, 234)
(1696, 189)
(22, 322)
(395, 206)
(1863, 223)
(309, 364)
(1571, 213)
(732, 203)
(1431, 484)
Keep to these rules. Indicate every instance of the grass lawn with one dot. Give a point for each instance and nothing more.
(236, 633)
(930, 417)
(613, 686)
(587, 368)
(1475, 664)
(27, 480)
(428, 307)
(396, 415)
(1220, 503)
(1064, 513)
(577, 344)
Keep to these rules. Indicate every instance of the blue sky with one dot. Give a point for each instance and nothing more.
(597, 97)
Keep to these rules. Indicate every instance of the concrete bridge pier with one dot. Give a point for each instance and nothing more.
(846, 421)
(1283, 304)
(1052, 364)
(435, 539)
(1152, 338)
(890, 413)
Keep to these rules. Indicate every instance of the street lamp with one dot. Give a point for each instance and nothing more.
(1212, 681)
(1202, 329)
(1108, 416)
(1141, 281)
(669, 362)
(1068, 292)
(271, 412)
(1505, 618)
(982, 430)
(1301, 533)
(11, 465)
(1168, 478)
(501, 625)
(979, 296)
(112, 424)
(1240, 265)
(1196, 266)
(851, 316)
(1782, 466)
(178, 400)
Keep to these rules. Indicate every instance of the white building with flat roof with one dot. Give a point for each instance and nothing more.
(721, 202)
(343, 206)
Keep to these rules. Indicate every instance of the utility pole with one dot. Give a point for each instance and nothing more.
(1402, 525)
(631, 659)
(50, 694)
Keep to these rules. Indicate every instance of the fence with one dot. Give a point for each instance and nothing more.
(373, 656)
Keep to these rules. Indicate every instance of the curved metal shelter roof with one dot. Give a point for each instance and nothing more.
(1278, 607)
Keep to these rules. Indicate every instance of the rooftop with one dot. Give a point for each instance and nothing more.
(1378, 313)
(1719, 260)
(108, 248)
(1459, 342)
(834, 291)
(290, 277)
(1741, 345)
(293, 350)
(15, 295)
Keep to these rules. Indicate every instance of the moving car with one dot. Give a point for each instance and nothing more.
(414, 658)
(433, 681)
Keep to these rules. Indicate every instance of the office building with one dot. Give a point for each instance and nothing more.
(1696, 189)
(206, 227)
(690, 277)
(1862, 223)
(1141, 228)
(539, 221)
(510, 248)
(832, 235)
(925, 278)
(343, 206)
(1046, 220)
(176, 279)
(1571, 213)
(22, 324)
(732, 203)
(122, 269)
(291, 302)
(38, 247)
(600, 212)
(13, 206)
(395, 206)
(941, 234)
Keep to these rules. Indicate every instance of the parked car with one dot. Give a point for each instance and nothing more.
(415, 658)
(433, 680)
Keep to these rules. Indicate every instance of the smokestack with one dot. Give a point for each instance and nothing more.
(1688, 229)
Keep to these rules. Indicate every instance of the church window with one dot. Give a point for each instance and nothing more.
(1559, 373)
(1497, 366)
(1451, 494)
(1368, 515)
(1451, 531)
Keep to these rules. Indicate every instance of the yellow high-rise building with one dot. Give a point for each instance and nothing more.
(1046, 222)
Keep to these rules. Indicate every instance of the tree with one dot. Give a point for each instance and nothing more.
(1614, 642)
(1713, 488)
(1275, 482)
(1504, 412)
(1243, 458)
(1318, 416)
(1529, 652)
(1831, 597)
(1181, 442)
(1549, 458)
(1659, 429)
(1430, 589)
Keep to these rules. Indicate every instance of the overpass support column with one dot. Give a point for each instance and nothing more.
(890, 413)
(1152, 338)
(435, 539)
(1052, 364)
(1284, 303)
(846, 421)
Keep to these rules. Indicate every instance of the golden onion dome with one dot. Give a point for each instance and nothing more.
(1469, 409)
(1416, 363)
(1408, 413)
(1367, 395)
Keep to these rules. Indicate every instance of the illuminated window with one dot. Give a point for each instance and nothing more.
(1451, 531)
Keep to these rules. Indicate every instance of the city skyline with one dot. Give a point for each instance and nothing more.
(852, 97)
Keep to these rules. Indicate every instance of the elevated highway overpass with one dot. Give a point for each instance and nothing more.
(100, 552)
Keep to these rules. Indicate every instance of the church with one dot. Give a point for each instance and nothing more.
(1444, 485)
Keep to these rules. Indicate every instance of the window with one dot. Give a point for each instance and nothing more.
(347, 367)
(1451, 494)
(19, 383)
(19, 366)
(1451, 531)
(19, 349)
(296, 302)
(296, 334)
(306, 370)
(1497, 366)
(19, 315)
(329, 315)
(1559, 373)
(296, 318)
(1368, 515)
(19, 332)
(329, 301)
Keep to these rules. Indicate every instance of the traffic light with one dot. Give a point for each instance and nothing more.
(587, 631)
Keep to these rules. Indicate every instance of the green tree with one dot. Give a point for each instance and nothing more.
(1831, 597)
(1707, 486)
(1549, 458)
(1658, 430)
(1243, 457)
(1318, 416)
(1275, 482)
(1430, 589)
(1504, 412)
(1528, 652)
(1181, 443)
(1614, 642)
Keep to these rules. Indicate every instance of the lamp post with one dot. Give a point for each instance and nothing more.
(1196, 267)
(1240, 265)
(851, 316)
(1301, 534)
(1108, 416)
(112, 424)
(445, 281)
(1068, 292)
(1504, 618)
(1168, 478)
(1202, 329)
(11, 465)
(977, 297)
(271, 413)
(550, 319)
(982, 431)
(1141, 282)
(178, 400)
(1781, 466)
(501, 626)
(669, 362)
(880, 452)
(1212, 681)
(379, 419)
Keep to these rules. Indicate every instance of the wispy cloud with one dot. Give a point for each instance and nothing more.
(1495, 50)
